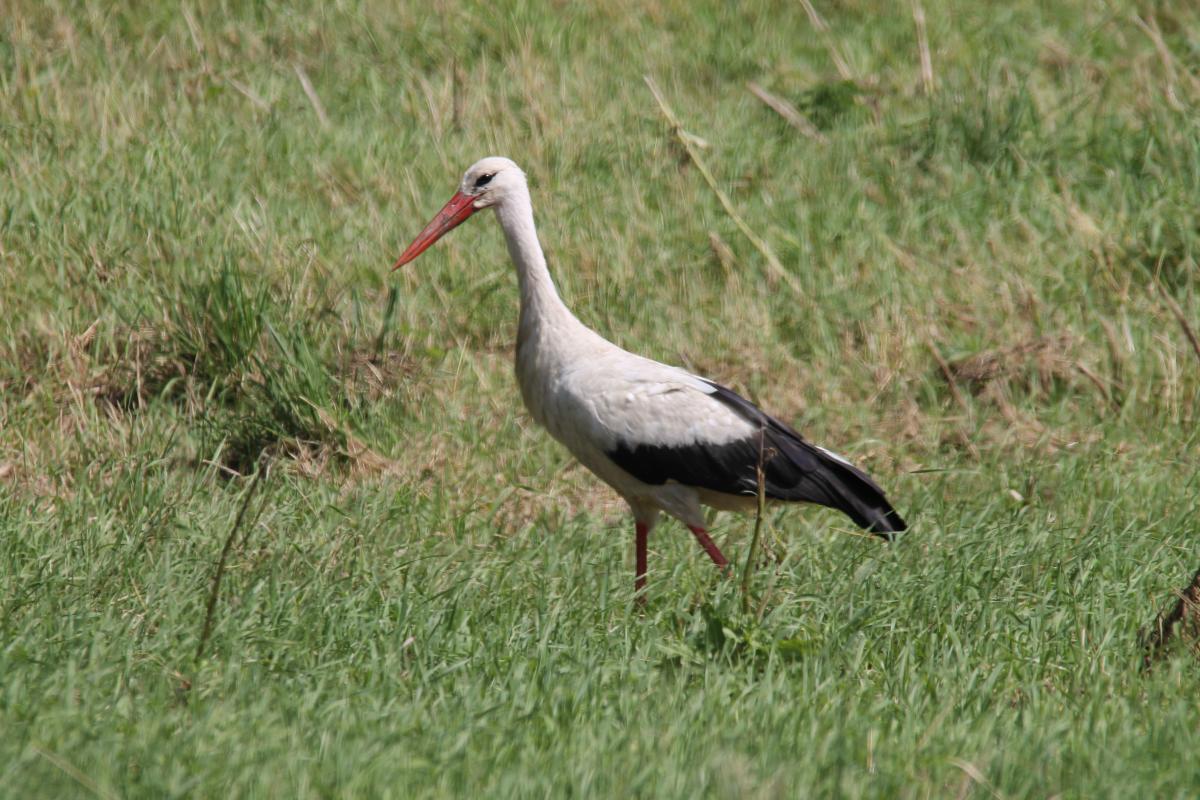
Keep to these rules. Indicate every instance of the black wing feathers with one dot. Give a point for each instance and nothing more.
(793, 469)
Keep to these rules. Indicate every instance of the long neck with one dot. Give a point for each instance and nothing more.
(549, 337)
(540, 303)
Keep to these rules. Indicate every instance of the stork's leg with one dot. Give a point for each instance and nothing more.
(710, 547)
(639, 581)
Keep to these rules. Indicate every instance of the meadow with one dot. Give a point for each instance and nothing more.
(975, 274)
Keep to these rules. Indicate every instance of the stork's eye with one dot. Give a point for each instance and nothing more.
(483, 180)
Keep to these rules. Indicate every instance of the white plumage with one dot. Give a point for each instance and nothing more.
(664, 439)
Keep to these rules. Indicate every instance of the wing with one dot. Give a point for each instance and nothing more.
(661, 424)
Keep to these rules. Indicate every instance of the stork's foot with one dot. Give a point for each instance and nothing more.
(711, 548)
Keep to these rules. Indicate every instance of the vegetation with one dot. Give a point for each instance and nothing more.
(988, 279)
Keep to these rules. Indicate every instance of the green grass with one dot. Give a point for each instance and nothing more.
(427, 598)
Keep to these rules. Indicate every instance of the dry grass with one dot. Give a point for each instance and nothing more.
(1179, 625)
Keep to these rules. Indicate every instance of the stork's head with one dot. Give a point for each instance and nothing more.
(488, 182)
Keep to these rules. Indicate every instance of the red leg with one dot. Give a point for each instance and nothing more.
(639, 581)
(710, 547)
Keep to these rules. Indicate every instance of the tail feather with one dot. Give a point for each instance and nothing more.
(812, 474)
(802, 472)
(860, 498)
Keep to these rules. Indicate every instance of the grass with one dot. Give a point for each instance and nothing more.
(425, 597)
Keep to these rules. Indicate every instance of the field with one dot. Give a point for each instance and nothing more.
(977, 278)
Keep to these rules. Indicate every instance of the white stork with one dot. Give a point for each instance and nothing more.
(664, 439)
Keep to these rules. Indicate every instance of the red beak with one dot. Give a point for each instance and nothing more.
(450, 217)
